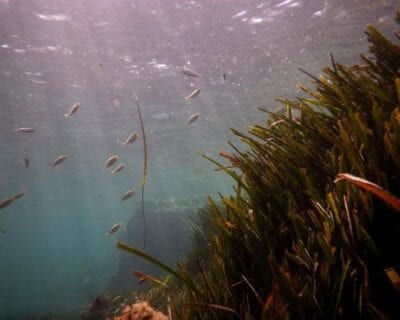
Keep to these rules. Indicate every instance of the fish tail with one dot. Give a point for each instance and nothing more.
(66, 115)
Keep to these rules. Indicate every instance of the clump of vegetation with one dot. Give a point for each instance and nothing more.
(291, 243)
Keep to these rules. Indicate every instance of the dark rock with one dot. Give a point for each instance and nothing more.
(168, 239)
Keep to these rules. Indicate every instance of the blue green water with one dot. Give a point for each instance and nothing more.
(54, 255)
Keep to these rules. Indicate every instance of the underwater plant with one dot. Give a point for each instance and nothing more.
(290, 243)
(145, 160)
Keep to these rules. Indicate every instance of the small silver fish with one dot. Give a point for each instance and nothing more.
(131, 139)
(59, 160)
(194, 94)
(6, 202)
(119, 168)
(114, 229)
(192, 118)
(18, 195)
(111, 160)
(128, 194)
(223, 76)
(26, 162)
(73, 109)
(190, 73)
(25, 130)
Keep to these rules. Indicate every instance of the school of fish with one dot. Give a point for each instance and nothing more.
(111, 160)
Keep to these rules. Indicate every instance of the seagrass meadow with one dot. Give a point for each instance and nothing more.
(312, 228)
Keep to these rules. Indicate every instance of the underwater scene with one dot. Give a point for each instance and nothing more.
(200, 159)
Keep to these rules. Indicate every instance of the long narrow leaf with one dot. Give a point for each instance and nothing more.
(161, 265)
(373, 188)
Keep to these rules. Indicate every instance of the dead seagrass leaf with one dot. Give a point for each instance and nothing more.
(373, 188)
(211, 306)
(143, 277)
